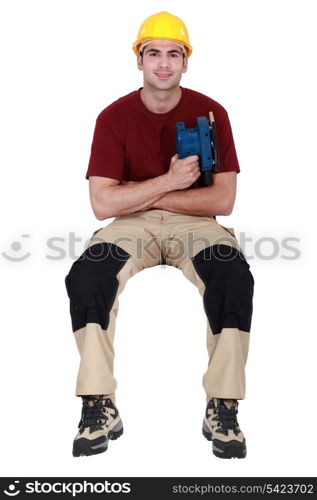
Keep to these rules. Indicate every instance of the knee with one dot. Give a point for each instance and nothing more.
(92, 283)
(229, 287)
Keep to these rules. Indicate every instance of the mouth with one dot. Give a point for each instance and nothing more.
(163, 76)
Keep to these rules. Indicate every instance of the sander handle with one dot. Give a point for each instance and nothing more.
(213, 136)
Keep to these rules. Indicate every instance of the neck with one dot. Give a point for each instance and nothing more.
(160, 101)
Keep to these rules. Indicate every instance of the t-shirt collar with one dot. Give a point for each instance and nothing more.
(159, 116)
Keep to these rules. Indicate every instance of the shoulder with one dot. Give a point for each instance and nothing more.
(118, 108)
(202, 99)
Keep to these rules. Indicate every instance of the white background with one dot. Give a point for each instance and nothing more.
(64, 61)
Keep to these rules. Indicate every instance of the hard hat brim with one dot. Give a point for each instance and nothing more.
(137, 44)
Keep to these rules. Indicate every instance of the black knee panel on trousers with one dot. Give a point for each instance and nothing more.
(92, 284)
(229, 287)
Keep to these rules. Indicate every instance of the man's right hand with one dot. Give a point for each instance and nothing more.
(183, 173)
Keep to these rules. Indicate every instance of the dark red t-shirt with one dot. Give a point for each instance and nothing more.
(131, 143)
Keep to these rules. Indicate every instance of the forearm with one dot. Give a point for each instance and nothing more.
(209, 200)
(132, 197)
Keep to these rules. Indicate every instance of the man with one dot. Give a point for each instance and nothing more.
(157, 199)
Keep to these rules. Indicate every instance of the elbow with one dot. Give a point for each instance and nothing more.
(102, 204)
(101, 213)
(226, 208)
(104, 212)
(223, 201)
(100, 217)
(104, 215)
(227, 203)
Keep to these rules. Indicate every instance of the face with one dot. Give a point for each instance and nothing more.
(163, 65)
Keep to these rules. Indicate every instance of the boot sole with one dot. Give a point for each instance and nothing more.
(84, 447)
(226, 450)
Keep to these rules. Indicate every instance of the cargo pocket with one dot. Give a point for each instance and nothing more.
(93, 234)
(92, 239)
(230, 230)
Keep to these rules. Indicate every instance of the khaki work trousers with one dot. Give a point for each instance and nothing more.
(209, 256)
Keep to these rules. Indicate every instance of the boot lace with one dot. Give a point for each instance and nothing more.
(93, 413)
(227, 419)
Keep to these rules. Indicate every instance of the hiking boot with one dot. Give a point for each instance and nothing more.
(100, 421)
(220, 426)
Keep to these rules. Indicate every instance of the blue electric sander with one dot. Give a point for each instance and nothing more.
(201, 141)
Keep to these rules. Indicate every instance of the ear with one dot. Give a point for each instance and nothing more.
(185, 65)
(139, 63)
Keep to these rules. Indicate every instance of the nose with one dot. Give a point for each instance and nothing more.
(164, 61)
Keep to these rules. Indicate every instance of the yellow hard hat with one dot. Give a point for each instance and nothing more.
(163, 26)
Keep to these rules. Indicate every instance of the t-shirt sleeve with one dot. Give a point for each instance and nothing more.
(228, 160)
(107, 151)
